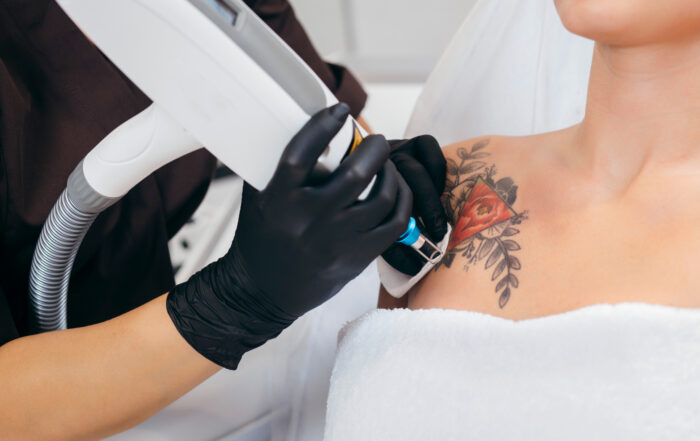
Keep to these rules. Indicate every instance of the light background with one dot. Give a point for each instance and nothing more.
(383, 40)
(390, 45)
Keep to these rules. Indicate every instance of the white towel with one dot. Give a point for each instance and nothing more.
(624, 372)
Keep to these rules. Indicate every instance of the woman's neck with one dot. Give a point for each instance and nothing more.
(643, 112)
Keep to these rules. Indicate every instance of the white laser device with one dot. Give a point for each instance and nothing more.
(211, 67)
(219, 78)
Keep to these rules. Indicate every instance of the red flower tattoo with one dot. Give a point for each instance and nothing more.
(483, 209)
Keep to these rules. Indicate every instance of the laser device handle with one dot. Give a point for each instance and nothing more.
(134, 150)
(217, 70)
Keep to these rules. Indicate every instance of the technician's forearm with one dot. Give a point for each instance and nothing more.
(91, 382)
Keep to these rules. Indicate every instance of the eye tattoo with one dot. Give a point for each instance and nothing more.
(485, 223)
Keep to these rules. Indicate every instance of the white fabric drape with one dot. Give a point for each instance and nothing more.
(512, 69)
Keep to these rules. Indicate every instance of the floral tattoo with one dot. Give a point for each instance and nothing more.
(485, 223)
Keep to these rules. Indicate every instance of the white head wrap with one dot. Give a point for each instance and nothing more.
(512, 69)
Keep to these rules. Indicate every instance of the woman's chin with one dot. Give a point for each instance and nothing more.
(605, 21)
(631, 22)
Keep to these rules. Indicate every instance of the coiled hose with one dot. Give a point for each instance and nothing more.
(154, 139)
(53, 260)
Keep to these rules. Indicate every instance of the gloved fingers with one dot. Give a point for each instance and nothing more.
(367, 214)
(302, 153)
(404, 259)
(387, 233)
(398, 144)
(355, 173)
(428, 152)
(428, 206)
(248, 191)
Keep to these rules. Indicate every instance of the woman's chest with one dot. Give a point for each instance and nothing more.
(540, 267)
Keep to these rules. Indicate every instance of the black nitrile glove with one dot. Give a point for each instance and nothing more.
(422, 164)
(298, 242)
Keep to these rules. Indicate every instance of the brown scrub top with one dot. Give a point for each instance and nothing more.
(59, 96)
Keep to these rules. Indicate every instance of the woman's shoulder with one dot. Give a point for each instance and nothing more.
(505, 149)
(496, 157)
(527, 160)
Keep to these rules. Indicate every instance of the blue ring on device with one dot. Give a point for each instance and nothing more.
(411, 235)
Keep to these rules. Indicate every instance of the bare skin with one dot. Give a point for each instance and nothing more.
(89, 383)
(605, 210)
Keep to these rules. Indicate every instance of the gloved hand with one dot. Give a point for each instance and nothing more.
(422, 164)
(298, 242)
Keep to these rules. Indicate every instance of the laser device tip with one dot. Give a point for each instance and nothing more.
(424, 246)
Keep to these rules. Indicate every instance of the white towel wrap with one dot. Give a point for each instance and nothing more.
(624, 372)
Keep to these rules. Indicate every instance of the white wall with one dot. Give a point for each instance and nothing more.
(383, 40)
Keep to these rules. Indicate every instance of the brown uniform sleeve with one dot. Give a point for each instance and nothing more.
(59, 97)
(279, 15)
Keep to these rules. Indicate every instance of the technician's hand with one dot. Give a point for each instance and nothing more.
(422, 164)
(297, 244)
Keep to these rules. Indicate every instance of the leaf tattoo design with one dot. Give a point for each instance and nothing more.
(485, 224)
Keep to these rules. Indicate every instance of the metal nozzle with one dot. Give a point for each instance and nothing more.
(427, 249)
(424, 246)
